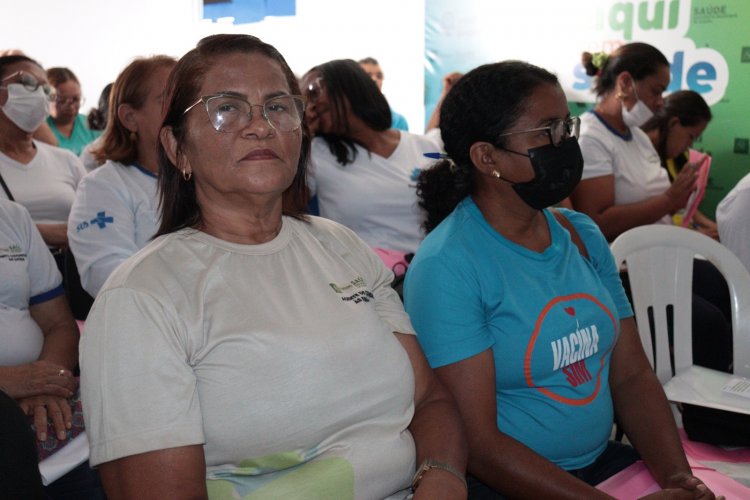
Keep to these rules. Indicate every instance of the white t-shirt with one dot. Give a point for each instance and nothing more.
(278, 357)
(114, 215)
(632, 160)
(733, 219)
(29, 276)
(46, 186)
(375, 196)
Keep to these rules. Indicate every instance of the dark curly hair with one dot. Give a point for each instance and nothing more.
(637, 58)
(484, 103)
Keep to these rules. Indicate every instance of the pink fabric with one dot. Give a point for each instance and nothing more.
(393, 260)
(636, 481)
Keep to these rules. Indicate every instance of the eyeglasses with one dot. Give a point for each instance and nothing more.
(314, 88)
(30, 83)
(230, 113)
(76, 100)
(557, 131)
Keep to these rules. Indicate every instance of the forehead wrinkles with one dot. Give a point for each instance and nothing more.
(241, 72)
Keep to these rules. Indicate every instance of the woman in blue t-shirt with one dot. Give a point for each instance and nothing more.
(520, 308)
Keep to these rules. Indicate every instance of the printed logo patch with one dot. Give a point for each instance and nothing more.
(13, 253)
(358, 295)
(101, 220)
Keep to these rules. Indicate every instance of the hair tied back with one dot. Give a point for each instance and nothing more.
(599, 60)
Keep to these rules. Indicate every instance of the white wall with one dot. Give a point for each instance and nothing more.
(97, 38)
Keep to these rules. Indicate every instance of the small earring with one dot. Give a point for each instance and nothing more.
(620, 95)
(186, 175)
(496, 174)
(133, 136)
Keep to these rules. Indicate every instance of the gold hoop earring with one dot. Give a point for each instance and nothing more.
(186, 175)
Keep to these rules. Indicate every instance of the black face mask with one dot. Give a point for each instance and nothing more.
(557, 171)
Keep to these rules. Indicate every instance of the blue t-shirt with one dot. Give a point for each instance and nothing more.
(79, 138)
(398, 121)
(550, 318)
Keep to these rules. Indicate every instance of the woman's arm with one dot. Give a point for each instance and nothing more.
(643, 411)
(596, 198)
(60, 331)
(436, 428)
(173, 473)
(54, 235)
(499, 461)
(706, 225)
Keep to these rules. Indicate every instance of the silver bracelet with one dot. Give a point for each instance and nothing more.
(434, 464)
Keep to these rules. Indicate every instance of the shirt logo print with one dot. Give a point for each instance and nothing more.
(102, 219)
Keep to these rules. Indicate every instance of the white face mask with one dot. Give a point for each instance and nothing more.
(637, 116)
(24, 108)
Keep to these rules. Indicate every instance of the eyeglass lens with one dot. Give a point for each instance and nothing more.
(30, 83)
(229, 114)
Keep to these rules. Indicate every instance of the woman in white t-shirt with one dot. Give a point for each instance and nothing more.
(115, 211)
(623, 184)
(249, 349)
(362, 171)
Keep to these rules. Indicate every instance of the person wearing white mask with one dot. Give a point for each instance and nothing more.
(623, 185)
(38, 176)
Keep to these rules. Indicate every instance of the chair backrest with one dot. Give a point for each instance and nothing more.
(659, 260)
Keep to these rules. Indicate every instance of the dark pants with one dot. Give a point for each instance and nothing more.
(82, 483)
(19, 469)
(615, 457)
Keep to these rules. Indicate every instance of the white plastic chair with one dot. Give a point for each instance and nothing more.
(659, 261)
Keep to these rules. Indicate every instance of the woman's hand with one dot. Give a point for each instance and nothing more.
(43, 408)
(40, 378)
(691, 484)
(679, 192)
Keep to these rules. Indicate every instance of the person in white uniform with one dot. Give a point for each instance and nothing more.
(251, 349)
(733, 221)
(623, 184)
(363, 172)
(115, 214)
(40, 177)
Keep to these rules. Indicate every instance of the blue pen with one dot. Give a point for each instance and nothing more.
(436, 156)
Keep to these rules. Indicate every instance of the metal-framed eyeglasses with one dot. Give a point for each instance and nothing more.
(76, 100)
(231, 113)
(557, 131)
(30, 83)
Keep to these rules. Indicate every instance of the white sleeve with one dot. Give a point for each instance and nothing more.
(138, 388)
(598, 161)
(100, 248)
(734, 226)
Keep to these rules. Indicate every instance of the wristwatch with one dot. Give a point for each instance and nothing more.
(434, 464)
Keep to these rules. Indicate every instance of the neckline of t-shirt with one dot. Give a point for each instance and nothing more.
(547, 255)
(144, 170)
(625, 137)
(270, 247)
